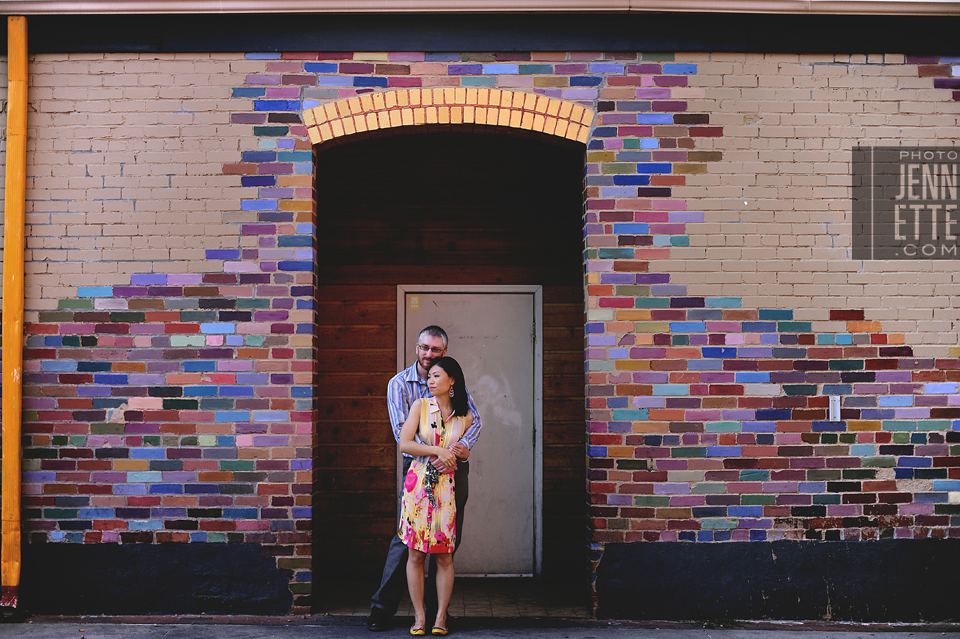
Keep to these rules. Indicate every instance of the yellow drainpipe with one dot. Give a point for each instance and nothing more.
(14, 205)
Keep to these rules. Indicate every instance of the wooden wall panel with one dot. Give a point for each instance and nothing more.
(440, 208)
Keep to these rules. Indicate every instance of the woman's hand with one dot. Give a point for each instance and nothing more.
(461, 451)
(448, 457)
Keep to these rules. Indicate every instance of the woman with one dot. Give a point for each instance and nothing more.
(428, 511)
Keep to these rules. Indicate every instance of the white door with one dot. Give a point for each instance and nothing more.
(494, 336)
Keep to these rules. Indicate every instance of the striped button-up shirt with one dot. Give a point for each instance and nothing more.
(405, 388)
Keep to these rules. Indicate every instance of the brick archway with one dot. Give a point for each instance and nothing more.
(442, 106)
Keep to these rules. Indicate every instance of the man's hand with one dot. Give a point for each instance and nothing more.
(441, 467)
(461, 451)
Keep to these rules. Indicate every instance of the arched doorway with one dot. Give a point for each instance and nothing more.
(445, 206)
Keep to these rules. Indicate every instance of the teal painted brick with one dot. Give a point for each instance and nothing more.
(532, 69)
(899, 424)
(671, 389)
(722, 302)
(775, 314)
(793, 327)
(717, 523)
(653, 302)
(629, 414)
(688, 451)
(723, 427)
(933, 424)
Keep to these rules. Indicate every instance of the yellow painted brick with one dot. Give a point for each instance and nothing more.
(383, 119)
(314, 134)
(378, 101)
(373, 123)
(443, 115)
(308, 118)
(415, 97)
(337, 128)
(403, 97)
(632, 365)
(129, 465)
(360, 123)
(863, 424)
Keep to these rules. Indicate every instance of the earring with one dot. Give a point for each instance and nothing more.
(451, 391)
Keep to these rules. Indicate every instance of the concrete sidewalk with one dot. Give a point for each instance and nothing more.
(353, 628)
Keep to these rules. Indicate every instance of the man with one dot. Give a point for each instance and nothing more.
(406, 386)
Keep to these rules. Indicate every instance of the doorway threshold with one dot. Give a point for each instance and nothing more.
(502, 597)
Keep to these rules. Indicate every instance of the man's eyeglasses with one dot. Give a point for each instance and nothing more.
(433, 351)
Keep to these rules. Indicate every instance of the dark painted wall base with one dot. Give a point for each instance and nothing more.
(76, 579)
(887, 580)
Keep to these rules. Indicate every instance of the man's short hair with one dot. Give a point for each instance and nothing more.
(435, 331)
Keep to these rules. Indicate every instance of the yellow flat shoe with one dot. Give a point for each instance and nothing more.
(418, 632)
(438, 631)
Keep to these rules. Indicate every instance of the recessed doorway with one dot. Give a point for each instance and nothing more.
(440, 208)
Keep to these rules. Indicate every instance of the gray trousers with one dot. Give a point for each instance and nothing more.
(394, 579)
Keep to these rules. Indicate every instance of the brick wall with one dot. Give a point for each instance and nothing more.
(170, 290)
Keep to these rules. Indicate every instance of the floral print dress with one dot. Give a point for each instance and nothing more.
(429, 525)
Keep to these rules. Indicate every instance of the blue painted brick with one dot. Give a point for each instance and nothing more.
(654, 118)
(631, 180)
(745, 511)
(199, 366)
(94, 291)
(259, 156)
(501, 69)
(277, 105)
(239, 513)
(223, 254)
(719, 351)
(320, 67)
(293, 265)
(464, 69)
(679, 68)
(113, 380)
(724, 451)
(258, 180)
(585, 80)
(606, 67)
(773, 413)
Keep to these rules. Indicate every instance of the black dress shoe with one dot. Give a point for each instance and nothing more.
(378, 619)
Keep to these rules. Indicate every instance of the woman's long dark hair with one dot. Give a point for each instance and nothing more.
(459, 399)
